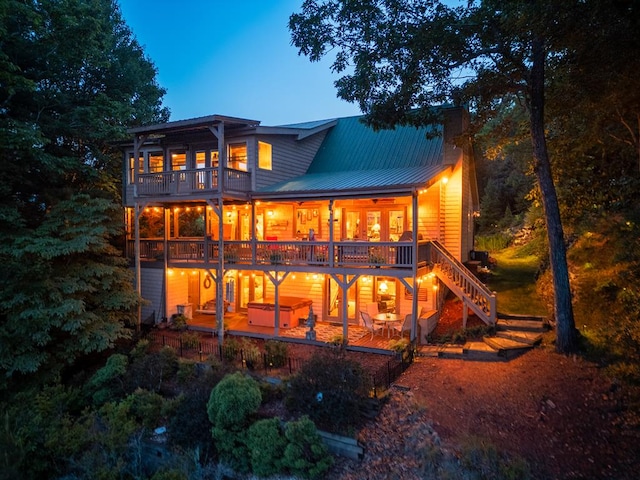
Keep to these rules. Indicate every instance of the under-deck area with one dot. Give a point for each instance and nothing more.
(238, 324)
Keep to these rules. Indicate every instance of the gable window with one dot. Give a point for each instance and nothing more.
(156, 162)
(264, 155)
(178, 160)
(237, 156)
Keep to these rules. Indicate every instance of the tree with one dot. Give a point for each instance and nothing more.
(72, 79)
(400, 58)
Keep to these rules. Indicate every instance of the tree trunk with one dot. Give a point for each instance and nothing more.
(566, 335)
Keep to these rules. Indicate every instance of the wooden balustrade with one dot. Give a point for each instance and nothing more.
(344, 254)
(189, 182)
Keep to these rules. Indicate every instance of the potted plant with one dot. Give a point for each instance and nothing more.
(178, 322)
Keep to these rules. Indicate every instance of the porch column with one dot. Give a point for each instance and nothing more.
(414, 267)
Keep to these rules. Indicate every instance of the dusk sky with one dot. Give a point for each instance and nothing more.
(233, 58)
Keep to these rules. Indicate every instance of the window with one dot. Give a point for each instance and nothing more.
(206, 158)
(264, 155)
(178, 160)
(156, 162)
(132, 167)
(237, 156)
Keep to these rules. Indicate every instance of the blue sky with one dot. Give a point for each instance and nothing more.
(233, 58)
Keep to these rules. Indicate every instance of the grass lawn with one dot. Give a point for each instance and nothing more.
(514, 281)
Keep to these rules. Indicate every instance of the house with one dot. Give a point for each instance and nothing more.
(227, 218)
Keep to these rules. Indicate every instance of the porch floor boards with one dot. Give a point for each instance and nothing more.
(237, 324)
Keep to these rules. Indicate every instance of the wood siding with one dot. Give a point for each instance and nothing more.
(290, 157)
(151, 282)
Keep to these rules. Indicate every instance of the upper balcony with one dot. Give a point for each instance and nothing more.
(192, 182)
(292, 254)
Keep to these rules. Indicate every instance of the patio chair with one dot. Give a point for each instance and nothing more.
(405, 327)
(368, 322)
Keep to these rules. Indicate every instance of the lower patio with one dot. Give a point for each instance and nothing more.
(359, 337)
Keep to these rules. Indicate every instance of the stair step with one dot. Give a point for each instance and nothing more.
(441, 351)
(481, 351)
(521, 325)
(530, 338)
(504, 344)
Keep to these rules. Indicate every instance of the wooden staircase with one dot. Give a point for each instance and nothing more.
(464, 284)
(514, 336)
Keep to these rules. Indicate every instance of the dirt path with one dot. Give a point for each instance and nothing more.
(559, 413)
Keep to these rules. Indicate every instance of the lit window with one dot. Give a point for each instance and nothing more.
(238, 156)
(156, 162)
(201, 159)
(264, 155)
(132, 166)
(178, 161)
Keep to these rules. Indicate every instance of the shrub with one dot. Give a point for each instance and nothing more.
(233, 400)
(231, 404)
(330, 389)
(150, 371)
(305, 454)
(266, 443)
(107, 383)
(277, 353)
(190, 340)
(230, 349)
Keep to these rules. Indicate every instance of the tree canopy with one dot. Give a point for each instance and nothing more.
(398, 58)
(72, 79)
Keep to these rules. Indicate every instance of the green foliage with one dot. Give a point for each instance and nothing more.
(277, 353)
(493, 242)
(178, 322)
(266, 443)
(305, 454)
(108, 382)
(65, 291)
(250, 353)
(231, 405)
(152, 370)
(329, 389)
(233, 401)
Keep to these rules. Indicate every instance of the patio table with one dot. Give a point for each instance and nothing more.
(387, 319)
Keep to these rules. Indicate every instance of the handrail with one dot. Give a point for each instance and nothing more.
(191, 181)
(479, 298)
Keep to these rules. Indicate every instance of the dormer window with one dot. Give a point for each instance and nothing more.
(237, 156)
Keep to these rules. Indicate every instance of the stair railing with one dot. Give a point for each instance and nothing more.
(454, 274)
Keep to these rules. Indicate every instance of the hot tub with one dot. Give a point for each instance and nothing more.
(262, 312)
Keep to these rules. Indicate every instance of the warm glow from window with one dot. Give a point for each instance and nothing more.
(237, 156)
(264, 155)
(156, 162)
(178, 161)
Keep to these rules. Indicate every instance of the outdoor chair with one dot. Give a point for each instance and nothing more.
(405, 327)
(368, 322)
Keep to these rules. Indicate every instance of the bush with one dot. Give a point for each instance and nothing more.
(231, 404)
(150, 371)
(277, 353)
(483, 460)
(266, 443)
(305, 454)
(251, 355)
(330, 389)
(107, 383)
(190, 340)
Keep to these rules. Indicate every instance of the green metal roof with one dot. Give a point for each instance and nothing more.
(355, 158)
(351, 145)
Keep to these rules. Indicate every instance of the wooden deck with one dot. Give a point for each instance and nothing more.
(237, 324)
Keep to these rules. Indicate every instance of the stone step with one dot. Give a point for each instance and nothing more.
(481, 351)
(527, 337)
(441, 351)
(504, 343)
(521, 325)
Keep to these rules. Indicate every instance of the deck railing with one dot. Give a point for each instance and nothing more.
(456, 276)
(344, 254)
(189, 182)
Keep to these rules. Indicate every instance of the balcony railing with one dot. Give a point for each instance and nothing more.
(190, 182)
(344, 254)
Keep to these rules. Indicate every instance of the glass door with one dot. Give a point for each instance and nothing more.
(335, 299)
